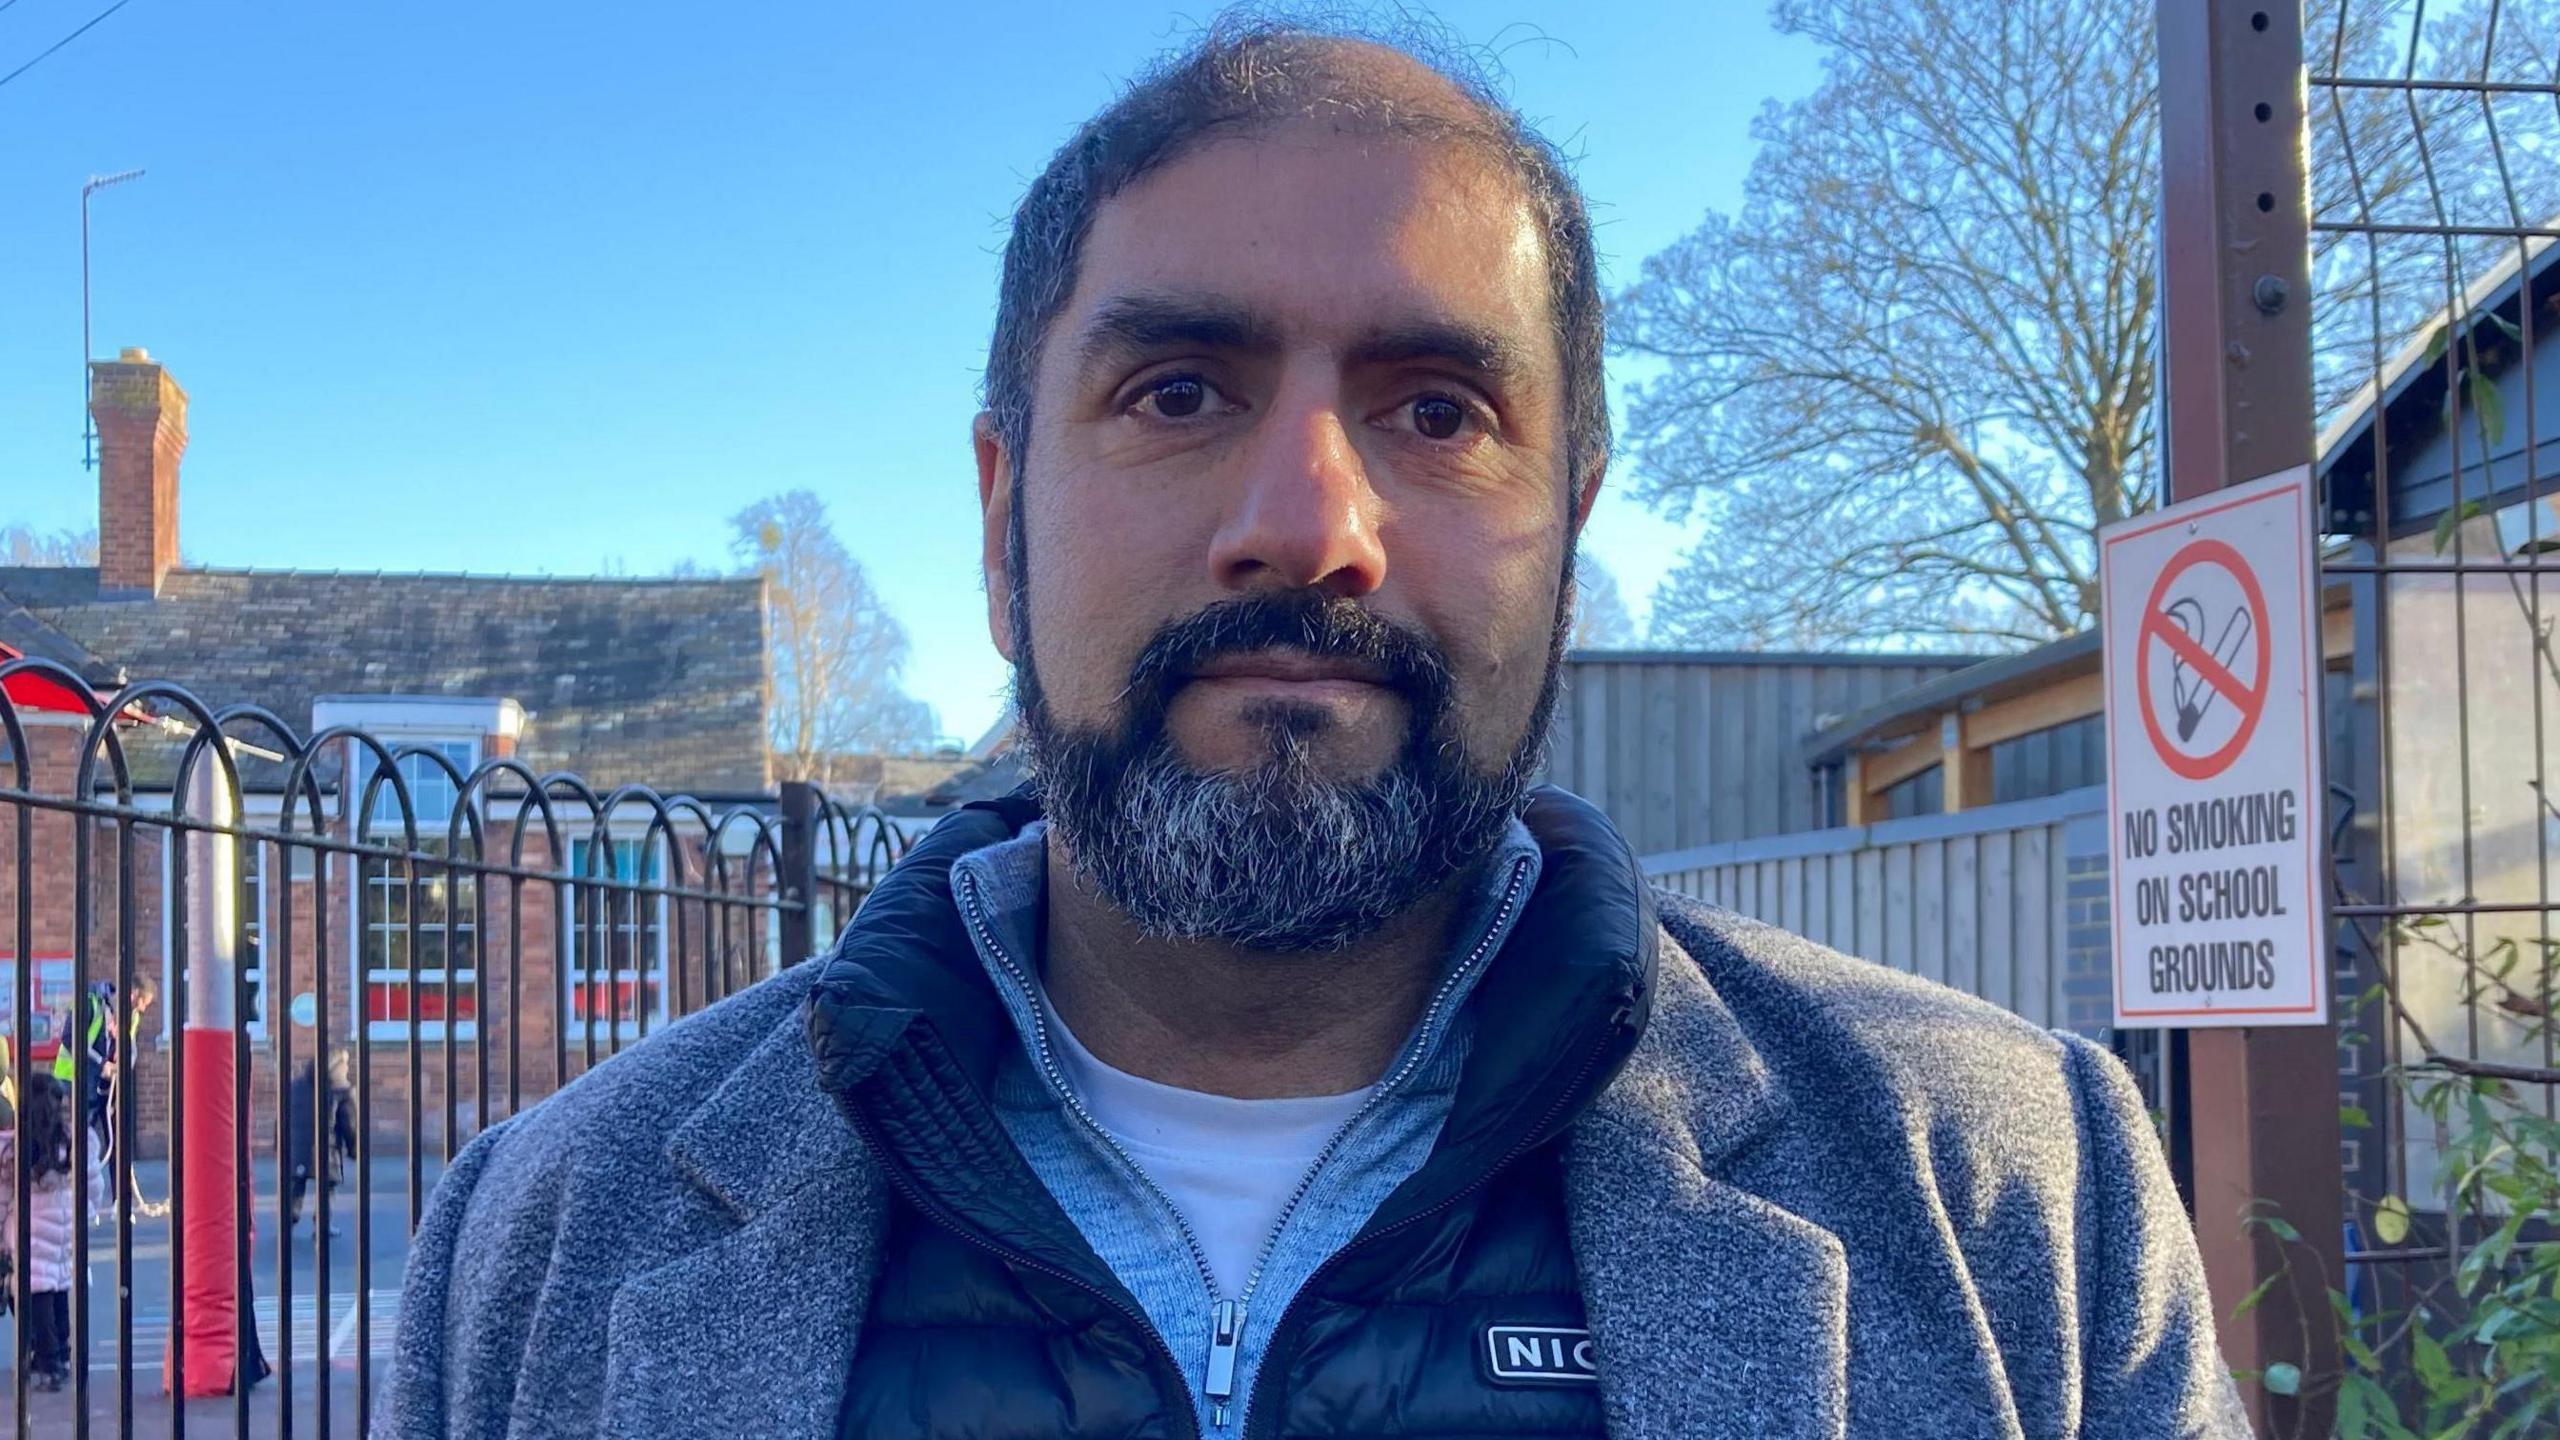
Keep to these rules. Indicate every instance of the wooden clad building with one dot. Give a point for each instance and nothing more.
(1689, 748)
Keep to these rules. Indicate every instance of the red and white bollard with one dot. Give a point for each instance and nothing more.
(210, 1326)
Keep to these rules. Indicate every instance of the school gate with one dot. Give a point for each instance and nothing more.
(475, 936)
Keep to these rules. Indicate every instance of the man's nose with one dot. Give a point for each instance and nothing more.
(1306, 515)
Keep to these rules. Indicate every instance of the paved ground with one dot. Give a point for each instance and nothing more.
(51, 1417)
(353, 1336)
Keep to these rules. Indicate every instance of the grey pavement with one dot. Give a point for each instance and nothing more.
(353, 1335)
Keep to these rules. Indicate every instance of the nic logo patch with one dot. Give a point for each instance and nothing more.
(1539, 1355)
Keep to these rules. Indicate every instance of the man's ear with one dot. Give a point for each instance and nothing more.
(995, 526)
(1587, 493)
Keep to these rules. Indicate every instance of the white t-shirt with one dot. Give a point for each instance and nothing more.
(1228, 1165)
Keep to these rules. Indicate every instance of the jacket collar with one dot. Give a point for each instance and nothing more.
(1581, 952)
(801, 1212)
(769, 1128)
(1558, 1009)
(796, 1198)
(1677, 1264)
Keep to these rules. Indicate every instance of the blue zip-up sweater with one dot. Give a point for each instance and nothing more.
(1124, 1218)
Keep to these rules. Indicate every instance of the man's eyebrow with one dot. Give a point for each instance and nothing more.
(1474, 347)
(1128, 325)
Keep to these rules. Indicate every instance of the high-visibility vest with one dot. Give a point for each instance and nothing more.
(64, 1062)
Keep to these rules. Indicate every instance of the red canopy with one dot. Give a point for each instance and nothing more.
(38, 693)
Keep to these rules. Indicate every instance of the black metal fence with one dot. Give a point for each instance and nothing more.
(470, 934)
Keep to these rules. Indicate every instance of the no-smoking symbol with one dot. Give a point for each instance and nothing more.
(2202, 663)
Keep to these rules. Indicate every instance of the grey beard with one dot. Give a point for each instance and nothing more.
(1278, 859)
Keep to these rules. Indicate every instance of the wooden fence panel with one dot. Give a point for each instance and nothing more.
(1843, 872)
(1964, 910)
(1929, 910)
(2033, 940)
(1898, 909)
(1998, 980)
(1868, 937)
(1976, 901)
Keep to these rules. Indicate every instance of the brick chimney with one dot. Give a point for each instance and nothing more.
(142, 431)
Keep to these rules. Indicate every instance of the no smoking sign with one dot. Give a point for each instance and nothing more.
(2203, 672)
(2212, 642)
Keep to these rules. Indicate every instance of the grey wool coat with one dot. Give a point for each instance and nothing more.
(1822, 1199)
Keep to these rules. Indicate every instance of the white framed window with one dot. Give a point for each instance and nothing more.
(256, 913)
(440, 909)
(618, 952)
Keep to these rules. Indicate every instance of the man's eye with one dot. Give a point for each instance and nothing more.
(1437, 417)
(1175, 397)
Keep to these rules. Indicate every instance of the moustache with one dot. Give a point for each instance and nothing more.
(1320, 626)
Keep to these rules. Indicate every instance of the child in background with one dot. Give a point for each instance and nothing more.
(43, 1141)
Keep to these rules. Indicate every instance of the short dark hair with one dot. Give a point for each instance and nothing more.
(1245, 74)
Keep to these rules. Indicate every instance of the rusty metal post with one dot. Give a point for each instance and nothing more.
(2236, 361)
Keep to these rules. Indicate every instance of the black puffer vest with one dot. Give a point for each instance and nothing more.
(1454, 1313)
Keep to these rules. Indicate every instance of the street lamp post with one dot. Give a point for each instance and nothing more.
(88, 427)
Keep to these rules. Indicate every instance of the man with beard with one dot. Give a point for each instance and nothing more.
(1282, 1064)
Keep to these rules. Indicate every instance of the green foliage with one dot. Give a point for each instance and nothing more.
(2391, 1220)
(2250, 1301)
(2490, 405)
(2447, 523)
(2475, 1350)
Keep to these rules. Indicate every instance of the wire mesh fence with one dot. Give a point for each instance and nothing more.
(2434, 174)
(257, 994)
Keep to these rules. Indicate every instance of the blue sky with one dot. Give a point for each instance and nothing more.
(556, 287)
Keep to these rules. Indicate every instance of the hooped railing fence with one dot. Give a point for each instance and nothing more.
(204, 939)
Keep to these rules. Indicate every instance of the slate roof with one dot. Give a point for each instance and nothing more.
(987, 779)
(657, 682)
(26, 635)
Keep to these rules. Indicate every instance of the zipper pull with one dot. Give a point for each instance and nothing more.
(1226, 1332)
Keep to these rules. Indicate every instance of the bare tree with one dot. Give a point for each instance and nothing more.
(1600, 618)
(25, 545)
(838, 653)
(1910, 379)
(1702, 605)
